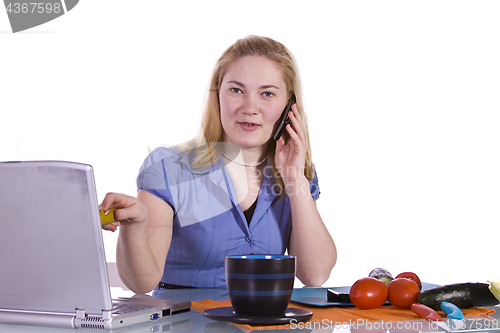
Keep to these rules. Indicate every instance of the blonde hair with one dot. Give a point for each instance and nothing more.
(206, 144)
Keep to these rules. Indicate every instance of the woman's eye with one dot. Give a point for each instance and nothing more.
(235, 90)
(268, 94)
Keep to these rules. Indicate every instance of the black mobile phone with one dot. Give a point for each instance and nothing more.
(283, 121)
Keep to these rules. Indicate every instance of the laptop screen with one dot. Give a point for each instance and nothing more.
(51, 250)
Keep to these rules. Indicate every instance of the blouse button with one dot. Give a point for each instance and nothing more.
(248, 239)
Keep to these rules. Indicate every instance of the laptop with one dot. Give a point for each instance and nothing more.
(52, 261)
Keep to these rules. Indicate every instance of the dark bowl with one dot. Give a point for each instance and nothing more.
(260, 285)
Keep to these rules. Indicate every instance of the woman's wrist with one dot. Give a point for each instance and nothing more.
(297, 186)
(133, 232)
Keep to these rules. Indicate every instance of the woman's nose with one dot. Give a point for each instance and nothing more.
(251, 105)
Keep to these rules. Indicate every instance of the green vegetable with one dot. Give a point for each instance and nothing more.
(463, 295)
(386, 280)
(381, 274)
(495, 288)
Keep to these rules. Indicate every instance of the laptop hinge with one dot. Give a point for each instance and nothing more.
(80, 314)
(107, 314)
(83, 320)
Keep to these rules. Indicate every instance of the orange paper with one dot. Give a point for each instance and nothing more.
(335, 315)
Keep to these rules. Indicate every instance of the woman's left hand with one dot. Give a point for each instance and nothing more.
(290, 156)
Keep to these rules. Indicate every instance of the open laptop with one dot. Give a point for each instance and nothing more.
(52, 261)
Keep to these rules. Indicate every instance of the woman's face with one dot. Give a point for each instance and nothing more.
(252, 97)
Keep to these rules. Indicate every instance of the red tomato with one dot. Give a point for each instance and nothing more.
(368, 293)
(411, 276)
(403, 293)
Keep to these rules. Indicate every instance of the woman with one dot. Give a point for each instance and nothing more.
(232, 190)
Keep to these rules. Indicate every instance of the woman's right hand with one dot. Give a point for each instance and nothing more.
(129, 210)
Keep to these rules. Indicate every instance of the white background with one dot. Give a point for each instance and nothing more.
(402, 99)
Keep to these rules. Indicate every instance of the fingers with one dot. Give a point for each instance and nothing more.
(291, 155)
(134, 213)
(296, 131)
(112, 200)
(129, 210)
(112, 226)
(118, 201)
(280, 143)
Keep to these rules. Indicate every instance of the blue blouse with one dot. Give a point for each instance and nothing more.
(209, 223)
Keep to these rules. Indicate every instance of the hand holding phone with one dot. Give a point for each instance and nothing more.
(283, 121)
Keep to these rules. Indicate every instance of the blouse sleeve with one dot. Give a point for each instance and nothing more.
(153, 176)
(314, 187)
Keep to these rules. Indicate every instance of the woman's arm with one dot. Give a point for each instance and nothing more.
(144, 238)
(310, 240)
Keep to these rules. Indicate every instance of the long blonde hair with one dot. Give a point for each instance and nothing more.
(206, 144)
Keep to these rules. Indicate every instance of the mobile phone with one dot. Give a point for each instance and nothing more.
(283, 121)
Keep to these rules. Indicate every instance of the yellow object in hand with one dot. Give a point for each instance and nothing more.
(107, 217)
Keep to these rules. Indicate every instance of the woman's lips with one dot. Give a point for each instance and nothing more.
(247, 126)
